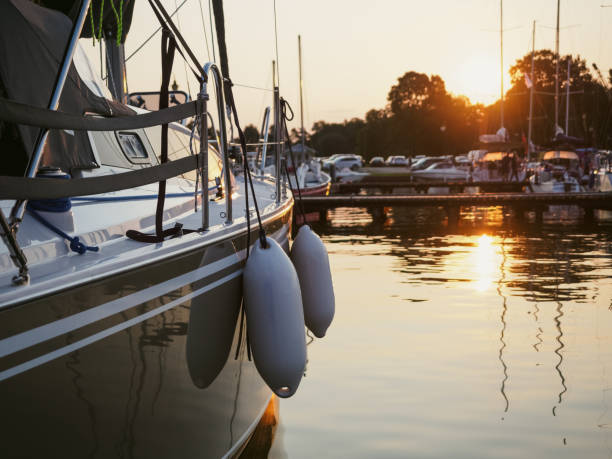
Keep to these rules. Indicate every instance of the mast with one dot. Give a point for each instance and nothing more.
(274, 74)
(302, 133)
(278, 133)
(116, 74)
(557, 69)
(529, 131)
(501, 49)
(567, 97)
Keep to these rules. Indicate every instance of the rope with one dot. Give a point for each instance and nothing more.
(248, 179)
(178, 24)
(138, 197)
(101, 18)
(212, 36)
(75, 244)
(166, 23)
(253, 87)
(204, 29)
(196, 123)
(118, 18)
(153, 34)
(92, 25)
(284, 106)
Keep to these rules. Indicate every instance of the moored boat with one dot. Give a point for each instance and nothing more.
(120, 298)
(557, 173)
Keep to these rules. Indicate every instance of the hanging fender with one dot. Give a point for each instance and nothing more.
(275, 317)
(311, 263)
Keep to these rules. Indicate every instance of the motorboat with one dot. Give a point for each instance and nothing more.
(311, 179)
(424, 162)
(441, 171)
(557, 173)
(121, 331)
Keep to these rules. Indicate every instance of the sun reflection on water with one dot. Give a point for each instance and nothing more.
(484, 263)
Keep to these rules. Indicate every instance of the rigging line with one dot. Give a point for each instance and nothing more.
(204, 29)
(263, 101)
(153, 34)
(560, 28)
(178, 24)
(253, 87)
(212, 34)
(276, 47)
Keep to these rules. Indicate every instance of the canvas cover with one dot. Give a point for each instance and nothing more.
(102, 12)
(32, 44)
(549, 155)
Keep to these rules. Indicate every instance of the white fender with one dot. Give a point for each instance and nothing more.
(275, 318)
(311, 263)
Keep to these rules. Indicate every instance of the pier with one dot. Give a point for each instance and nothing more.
(387, 186)
(519, 202)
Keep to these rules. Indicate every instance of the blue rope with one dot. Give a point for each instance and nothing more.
(51, 205)
(140, 197)
(75, 245)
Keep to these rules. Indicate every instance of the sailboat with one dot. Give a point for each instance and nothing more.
(559, 169)
(120, 272)
(308, 179)
(496, 153)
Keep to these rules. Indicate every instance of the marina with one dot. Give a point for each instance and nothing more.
(220, 238)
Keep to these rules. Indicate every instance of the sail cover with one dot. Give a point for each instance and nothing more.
(32, 44)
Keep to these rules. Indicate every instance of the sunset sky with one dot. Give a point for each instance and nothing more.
(354, 50)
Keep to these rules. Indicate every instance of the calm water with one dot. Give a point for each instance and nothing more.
(493, 339)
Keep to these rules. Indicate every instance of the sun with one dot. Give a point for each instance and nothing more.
(477, 77)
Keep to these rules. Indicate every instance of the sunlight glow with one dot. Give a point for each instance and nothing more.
(484, 263)
(478, 78)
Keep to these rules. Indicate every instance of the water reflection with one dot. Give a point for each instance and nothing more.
(495, 335)
(500, 283)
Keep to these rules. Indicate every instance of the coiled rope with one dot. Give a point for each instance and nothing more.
(285, 117)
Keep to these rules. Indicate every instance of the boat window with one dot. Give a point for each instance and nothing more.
(178, 147)
(132, 147)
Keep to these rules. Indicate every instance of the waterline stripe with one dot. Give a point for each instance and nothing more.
(112, 330)
(51, 330)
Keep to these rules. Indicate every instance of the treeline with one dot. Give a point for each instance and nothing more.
(422, 117)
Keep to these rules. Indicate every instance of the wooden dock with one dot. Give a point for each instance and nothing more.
(519, 202)
(387, 186)
(595, 200)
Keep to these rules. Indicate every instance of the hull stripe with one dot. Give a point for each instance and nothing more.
(51, 330)
(117, 328)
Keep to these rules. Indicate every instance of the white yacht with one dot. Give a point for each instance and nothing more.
(444, 171)
(557, 173)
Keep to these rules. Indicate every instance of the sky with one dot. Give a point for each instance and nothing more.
(355, 50)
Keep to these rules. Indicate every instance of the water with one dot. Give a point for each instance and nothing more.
(493, 339)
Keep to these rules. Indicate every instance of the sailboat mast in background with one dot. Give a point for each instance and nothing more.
(567, 96)
(557, 69)
(531, 89)
(501, 49)
(302, 133)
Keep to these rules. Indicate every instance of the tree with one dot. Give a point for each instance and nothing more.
(251, 134)
(416, 90)
(589, 109)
